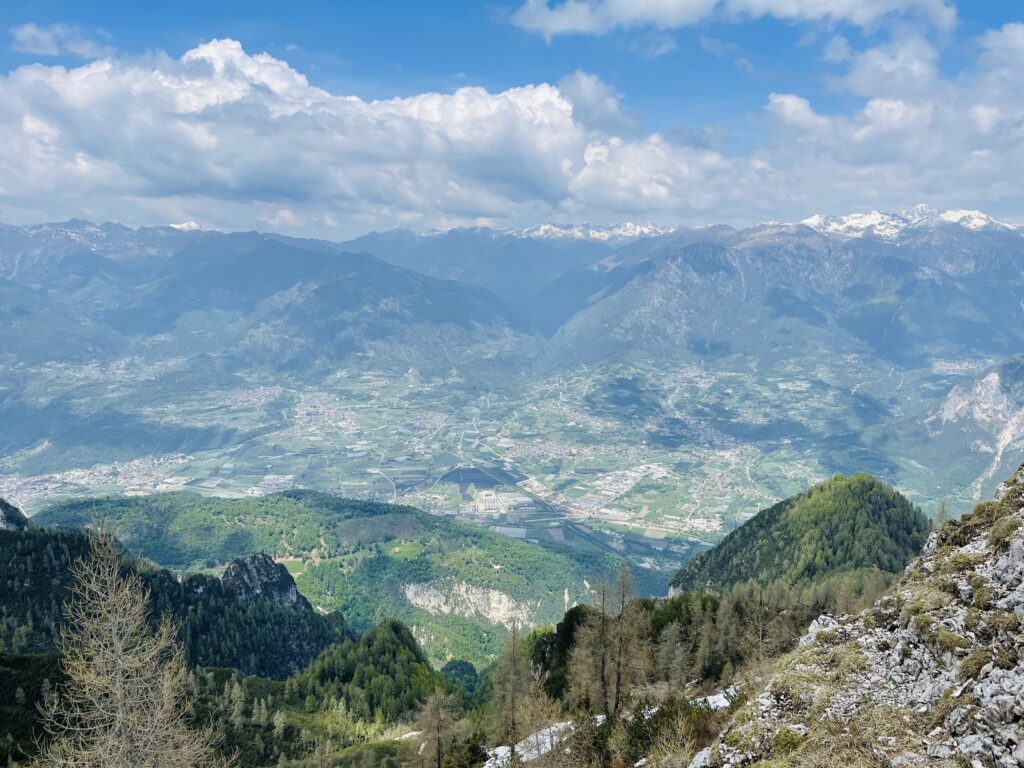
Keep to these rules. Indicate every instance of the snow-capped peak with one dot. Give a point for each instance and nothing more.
(890, 226)
(625, 231)
(973, 219)
(188, 226)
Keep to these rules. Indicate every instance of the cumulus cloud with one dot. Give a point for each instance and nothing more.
(600, 16)
(232, 139)
(796, 111)
(594, 102)
(837, 49)
(901, 66)
(919, 135)
(57, 39)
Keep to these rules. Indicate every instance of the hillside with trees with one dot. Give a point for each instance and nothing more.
(216, 625)
(845, 525)
(619, 678)
(358, 558)
(270, 682)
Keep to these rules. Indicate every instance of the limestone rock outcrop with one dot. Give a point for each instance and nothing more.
(931, 675)
(258, 577)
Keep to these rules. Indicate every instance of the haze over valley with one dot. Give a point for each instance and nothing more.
(627, 390)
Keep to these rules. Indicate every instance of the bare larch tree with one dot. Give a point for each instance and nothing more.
(126, 700)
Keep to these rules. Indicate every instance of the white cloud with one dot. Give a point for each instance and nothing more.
(863, 13)
(594, 103)
(654, 45)
(837, 49)
(653, 175)
(250, 131)
(235, 139)
(888, 116)
(285, 217)
(716, 47)
(1004, 47)
(985, 117)
(919, 135)
(796, 111)
(600, 16)
(56, 39)
(905, 65)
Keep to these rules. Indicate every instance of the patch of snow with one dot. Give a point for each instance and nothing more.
(532, 747)
(720, 700)
(973, 219)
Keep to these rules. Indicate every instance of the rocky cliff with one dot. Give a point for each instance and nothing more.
(931, 675)
(258, 577)
(463, 599)
(11, 518)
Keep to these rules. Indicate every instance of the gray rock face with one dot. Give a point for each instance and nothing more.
(11, 518)
(258, 577)
(932, 674)
(821, 624)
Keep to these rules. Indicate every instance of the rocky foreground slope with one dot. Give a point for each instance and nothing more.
(931, 675)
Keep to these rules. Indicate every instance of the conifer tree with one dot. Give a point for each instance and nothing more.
(126, 699)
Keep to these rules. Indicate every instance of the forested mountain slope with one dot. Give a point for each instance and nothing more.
(460, 587)
(219, 626)
(844, 524)
(274, 678)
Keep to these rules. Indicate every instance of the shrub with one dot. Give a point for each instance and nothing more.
(949, 641)
(972, 619)
(961, 562)
(984, 513)
(973, 664)
(786, 741)
(1003, 622)
(983, 593)
(924, 625)
(1003, 531)
(1006, 658)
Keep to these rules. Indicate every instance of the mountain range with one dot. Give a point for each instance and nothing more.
(860, 284)
(875, 342)
(867, 279)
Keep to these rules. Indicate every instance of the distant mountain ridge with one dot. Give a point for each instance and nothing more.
(267, 300)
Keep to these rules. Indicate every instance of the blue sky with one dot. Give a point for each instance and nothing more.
(684, 111)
